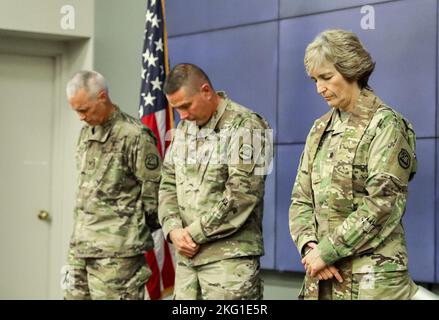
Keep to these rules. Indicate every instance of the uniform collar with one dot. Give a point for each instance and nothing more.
(101, 133)
(212, 124)
(338, 122)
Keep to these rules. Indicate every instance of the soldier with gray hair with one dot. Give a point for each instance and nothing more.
(350, 191)
(117, 197)
(211, 192)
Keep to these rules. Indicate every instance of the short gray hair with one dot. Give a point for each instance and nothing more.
(91, 81)
(344, 50)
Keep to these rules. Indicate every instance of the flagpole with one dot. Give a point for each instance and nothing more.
(165, 37)
(157, 116)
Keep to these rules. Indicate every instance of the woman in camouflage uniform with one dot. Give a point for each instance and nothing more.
(350, 191)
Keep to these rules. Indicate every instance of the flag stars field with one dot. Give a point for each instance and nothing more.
(156, 84)
(155, 113)
(149, 99)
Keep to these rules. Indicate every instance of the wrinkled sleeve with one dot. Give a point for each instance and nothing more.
(169, 214)
(381, 211)
(244, 188)
(301, 213)
(79, 149)
(146, 168)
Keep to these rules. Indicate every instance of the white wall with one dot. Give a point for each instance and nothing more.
(108, 37)
(118, 34)
(44, 17)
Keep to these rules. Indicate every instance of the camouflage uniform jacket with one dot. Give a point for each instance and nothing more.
(354, 209)
(215, 191)
(119, 176)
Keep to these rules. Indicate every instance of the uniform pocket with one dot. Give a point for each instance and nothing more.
(111, 173)
(216, 173)
(359, 177)
(395, 285)
(180, 174)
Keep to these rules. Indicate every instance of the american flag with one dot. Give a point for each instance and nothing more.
(155, 113)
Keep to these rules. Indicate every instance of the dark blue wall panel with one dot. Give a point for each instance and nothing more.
(293, 8)
(267, 261)
(404, 77)
(187, 16)
(437, 78)
(236, 42)
(436, 224)
(419, 216)
(287, 256)
(237, 63)
(437, 171)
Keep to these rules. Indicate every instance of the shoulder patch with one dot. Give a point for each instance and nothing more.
(246, 152)
(151, 161)
(404, 159)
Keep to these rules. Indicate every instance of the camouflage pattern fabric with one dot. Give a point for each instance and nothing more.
(229, 279)
(350, 195)
(213, 183)
(117, 199)
(395, 285)
(107, 278)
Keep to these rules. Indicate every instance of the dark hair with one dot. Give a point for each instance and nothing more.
(345, 51)
(185, 75)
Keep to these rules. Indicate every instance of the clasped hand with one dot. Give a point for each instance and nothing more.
(316, 267)
(183, 242)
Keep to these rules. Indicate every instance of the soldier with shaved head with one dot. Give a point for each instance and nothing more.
(212, 189)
